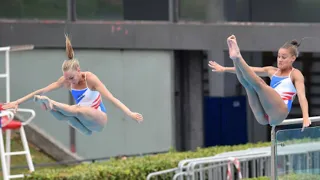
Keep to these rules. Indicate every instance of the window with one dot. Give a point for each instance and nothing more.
(33, 9)
(192, 10)
(99, 9)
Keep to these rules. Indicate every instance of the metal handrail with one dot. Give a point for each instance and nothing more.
(198, 170)
(9, 112)
(31, 111)
(161, 172)
(10, 116)
(192, 165)
(298, 120)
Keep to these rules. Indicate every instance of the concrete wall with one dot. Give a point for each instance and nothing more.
(142, 80)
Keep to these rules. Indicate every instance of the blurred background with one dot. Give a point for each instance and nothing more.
(153, 55)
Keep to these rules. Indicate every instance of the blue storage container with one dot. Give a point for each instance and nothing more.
(225, 120)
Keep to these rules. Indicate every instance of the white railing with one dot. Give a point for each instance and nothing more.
(189, 167)
(200, 166)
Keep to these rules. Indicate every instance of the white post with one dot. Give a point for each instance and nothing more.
(3, 158)
(26, 149)
(2, 151)
(273, 154)
(8, 76)
(8, 132)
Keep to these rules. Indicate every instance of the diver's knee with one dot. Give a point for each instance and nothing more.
(263, 121)
(275, 122)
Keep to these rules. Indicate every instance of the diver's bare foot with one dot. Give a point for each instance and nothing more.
(234, 51)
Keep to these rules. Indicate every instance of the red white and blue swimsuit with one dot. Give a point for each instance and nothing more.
(89, 98)
(284, 87)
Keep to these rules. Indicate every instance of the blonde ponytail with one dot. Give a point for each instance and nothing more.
(69, 49)
(71, 63)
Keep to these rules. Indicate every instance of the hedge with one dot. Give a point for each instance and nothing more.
(136, 168)
(291, 177)
(300, 177)
(133, 168)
